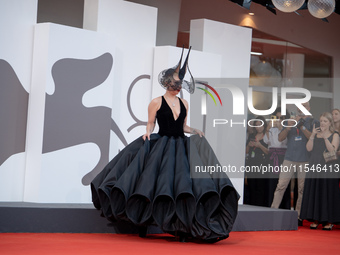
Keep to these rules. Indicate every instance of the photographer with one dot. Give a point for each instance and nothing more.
(295, 158)
(277, 151)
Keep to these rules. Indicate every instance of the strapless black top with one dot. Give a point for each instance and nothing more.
(168, 126)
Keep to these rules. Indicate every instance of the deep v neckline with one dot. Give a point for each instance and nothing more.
(180, 109)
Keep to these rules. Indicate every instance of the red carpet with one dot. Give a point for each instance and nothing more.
(302, 241)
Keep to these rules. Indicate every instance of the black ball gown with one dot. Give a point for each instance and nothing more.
(321, 195)
(149, 183)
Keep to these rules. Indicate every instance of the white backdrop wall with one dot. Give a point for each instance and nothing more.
(88, 94)
(234, 45)
(70, 108)
(167, 20)
(17, 19)
(134, 29)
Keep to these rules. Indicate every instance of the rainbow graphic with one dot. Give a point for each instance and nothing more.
(209, 93)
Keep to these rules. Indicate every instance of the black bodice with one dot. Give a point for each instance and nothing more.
(168, 126)
(319, 146)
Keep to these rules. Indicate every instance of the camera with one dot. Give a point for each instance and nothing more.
(300, 123)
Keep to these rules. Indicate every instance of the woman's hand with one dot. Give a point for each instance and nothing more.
(252, 143)
(147, 135)
(315, 130)
(197, 132)
(257, 144)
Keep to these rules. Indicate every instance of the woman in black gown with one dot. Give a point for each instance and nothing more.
(321, 196)
(257, 151)
(149, 182)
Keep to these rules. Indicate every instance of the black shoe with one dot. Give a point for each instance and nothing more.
(300, 222)
(212, 240)
(142, 231)
(328, 228)
(314, 225)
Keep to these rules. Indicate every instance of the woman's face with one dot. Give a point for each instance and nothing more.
(258, 128)
(324, 123)
(336, 116)
(175, 85)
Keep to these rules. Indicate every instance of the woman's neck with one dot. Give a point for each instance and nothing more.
(169, 95)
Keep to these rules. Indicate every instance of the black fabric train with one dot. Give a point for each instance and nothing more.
(151, 183)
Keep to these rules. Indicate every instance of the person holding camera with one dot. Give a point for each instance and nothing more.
(296, 157)
(320, 203)
(277, 151)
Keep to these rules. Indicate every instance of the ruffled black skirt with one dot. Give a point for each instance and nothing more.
(152, 183)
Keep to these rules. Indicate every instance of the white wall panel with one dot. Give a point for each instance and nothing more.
(17, 20)
(234, 44)
(67, 97)
(133, 27)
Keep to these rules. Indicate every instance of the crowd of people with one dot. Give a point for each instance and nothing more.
(305, 155)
